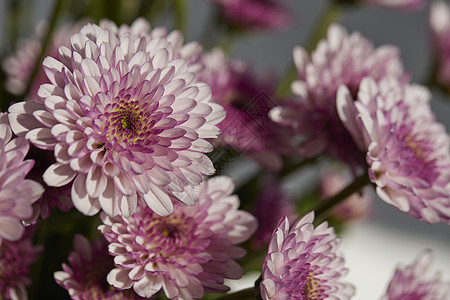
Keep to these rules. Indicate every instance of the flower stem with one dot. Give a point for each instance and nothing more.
(329, 15)
(246, 294)
(57, 9)
(181, 16)
(151, 9)
(328, 204)
(290, 167)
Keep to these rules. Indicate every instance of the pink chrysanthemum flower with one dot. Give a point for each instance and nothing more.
(440, 37)
(19, 66)
(397, 4)
(342, 58)
(416, 282)
(255, 14)
(85, 278)
(15, 261)
(247, 100)
(125, 117)
(357, 207)
(304, 263)
(407, 150)
(17, 194)
(185, 254)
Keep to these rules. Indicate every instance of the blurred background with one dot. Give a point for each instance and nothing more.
(371, 248)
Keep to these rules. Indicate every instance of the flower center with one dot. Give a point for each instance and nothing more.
(312, 289)
(125, 124)
(130, 122)
(170, 231)
(411, 144)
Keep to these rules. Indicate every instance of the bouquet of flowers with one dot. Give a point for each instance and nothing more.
(120, 143)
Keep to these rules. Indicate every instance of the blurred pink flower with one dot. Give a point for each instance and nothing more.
(19, 66)
(341, 58)
(440, 37)
(357, 207)
(304, 263)
(85, 278)
(407, 150)
(255, 14)
(247, 100)
(416, 282)
(125, 117)
(271, 204)
(185, 254)
(17, 194)
(16, 258)
(52, 196)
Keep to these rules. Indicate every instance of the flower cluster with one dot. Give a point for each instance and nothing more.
(125, 122)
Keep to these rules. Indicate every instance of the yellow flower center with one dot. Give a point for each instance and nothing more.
(312, 290)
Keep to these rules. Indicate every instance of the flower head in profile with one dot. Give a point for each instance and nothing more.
(303, 262)
(16, 257)
(407, 150)
(254, 14)
(341, 58)
(440, 34)
(19, 66)
(125, 117)
(185, 254)
(17, 194)
(85, 277)
(247, 100)
(416, 281)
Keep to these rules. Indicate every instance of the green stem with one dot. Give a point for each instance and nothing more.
(113, 10)
(150, 9)
(329, 16)
(14, 16)
(181, 16)
(57, 9)
(289, 168)
(245, 294)
(328, 204)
